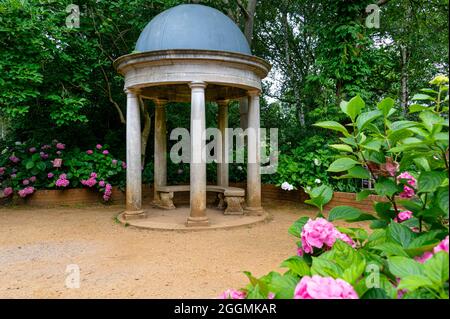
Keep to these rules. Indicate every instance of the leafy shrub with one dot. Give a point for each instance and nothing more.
(25, 168)
(305, 167)
(406, 254)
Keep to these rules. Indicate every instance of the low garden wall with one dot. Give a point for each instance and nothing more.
(75, 197)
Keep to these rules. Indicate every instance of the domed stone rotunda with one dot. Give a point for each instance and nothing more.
(192, 53)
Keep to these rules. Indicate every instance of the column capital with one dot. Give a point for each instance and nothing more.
(254, 93)
(160, 102)
(223, 102)
(132, 91)
(198, 85)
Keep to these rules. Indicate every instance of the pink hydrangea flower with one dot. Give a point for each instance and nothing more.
(2, 170)
(25, 182)
(26, 191)
(101, 183)
(114, 162)
(32, 179)
(60, 146)
(402, 216)
(300, 251)
(50, 175)
(317, 287)
(99, 147)
(14, 159)
(408, 192)
(89, 152)
(443, 246)
(62, 181)
(57, 162)
(90, 182)
(427, 255)
(271, 295)
(32, 150)
(46, 147)
(93, 175)
(108, 192)
(124, 165)
(232, 294)
(8, 191)
(43, 155)
(320, 233)
(105, 152)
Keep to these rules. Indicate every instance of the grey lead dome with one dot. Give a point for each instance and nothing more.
(192, 26)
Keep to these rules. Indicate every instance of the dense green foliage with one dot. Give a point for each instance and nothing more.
(406, 254)
(59, 82)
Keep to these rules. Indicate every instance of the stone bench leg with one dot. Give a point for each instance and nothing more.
(234, 205)
(221, 201)
(166, 201)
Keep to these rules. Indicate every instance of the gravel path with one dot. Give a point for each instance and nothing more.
(36, 245)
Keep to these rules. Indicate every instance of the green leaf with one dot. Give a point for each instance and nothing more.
(442, 199)
(436, 268)
(391, 249)
(373, 145)
(362, 195)
(353, 107)
(297, 226)
(375, 293)
(320, 196)
(365, 118)
(400, 234)
(404, 266)
(342, 164)
(297, 265)
(386, 105)
(354, 272)
(386, 187)
(414, 282)
(283, 286)
(429, 182)
(325, 268)
(332, 125)
(348, 213)
(422, 97)
(384, 211)
(41, 166)
(430, 120)
(342, 147)
(29, 165)
(417, 108)
(356, 172)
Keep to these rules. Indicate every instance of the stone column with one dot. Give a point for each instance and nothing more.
(243, 110)
(198, 156)
(134, 170)
(253, 152)
(160, 163)
(222, 153)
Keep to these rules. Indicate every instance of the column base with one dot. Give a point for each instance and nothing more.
(254, 211)
(134, 214)
(197, 221)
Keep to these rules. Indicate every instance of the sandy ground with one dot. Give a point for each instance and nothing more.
(36, 246)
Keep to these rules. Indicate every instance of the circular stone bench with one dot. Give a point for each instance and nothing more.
(230, 198)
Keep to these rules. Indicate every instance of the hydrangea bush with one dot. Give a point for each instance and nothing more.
(25, 168)
(406, 252)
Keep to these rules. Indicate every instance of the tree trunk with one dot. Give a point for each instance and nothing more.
(250, 21)
(146, 131)
(404, 78)
(298, 104)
